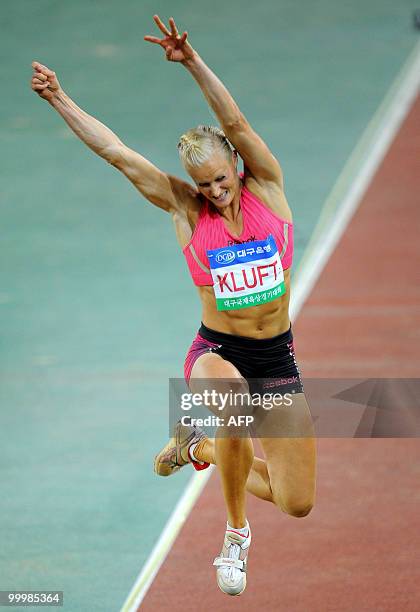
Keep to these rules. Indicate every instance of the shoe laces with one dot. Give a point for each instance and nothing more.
(231, 573)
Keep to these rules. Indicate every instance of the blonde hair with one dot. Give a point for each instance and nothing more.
(198, 145)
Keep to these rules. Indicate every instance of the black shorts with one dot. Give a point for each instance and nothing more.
(269, 364)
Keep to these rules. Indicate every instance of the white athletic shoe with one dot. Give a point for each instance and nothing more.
(231, 564)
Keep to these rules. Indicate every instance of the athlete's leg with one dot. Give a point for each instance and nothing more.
(287, 476)
(258, 482)
(233, 454)
(289, 446)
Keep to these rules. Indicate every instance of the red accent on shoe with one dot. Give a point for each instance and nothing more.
(238, 533)
(200, 466)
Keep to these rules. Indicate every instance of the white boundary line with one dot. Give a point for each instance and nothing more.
(355, 178)
(336, 212)
(162, 547)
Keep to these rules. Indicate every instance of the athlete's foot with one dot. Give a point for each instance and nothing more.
(176, 453)
(232, 562)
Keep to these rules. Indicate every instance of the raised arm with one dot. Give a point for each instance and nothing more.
(256, 155)
(161, 189)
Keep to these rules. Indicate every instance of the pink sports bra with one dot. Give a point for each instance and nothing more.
(211, 233)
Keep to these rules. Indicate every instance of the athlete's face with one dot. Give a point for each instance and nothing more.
(217, 179)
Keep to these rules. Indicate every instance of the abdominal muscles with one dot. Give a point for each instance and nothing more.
(262, 321)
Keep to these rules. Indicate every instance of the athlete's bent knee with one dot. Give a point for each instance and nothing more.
(299, 510)
(295, 507)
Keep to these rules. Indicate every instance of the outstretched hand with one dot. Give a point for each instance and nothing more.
(176, 47)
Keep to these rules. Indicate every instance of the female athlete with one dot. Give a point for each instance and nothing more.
(236, 232)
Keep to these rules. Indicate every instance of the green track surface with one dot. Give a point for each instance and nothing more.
(86, 346)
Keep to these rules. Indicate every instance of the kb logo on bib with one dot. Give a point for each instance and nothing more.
(246, 275)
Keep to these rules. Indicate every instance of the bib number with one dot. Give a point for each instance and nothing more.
(246, 275)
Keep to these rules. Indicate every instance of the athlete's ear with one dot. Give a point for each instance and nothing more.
(235, 157)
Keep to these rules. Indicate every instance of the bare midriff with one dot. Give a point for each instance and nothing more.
(262, 321)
